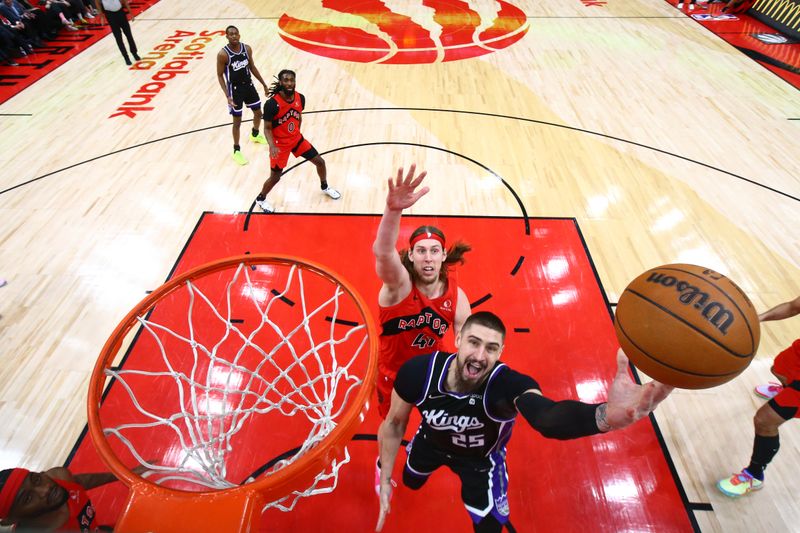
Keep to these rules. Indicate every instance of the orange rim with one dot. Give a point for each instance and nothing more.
(287, 479)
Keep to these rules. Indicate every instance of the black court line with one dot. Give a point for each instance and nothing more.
(518, 265)
(433, 110)
(793, 118)
(695, 506)
(16, 114)
(522, 330)
(481, 300)
(284, 299)
(341, 321)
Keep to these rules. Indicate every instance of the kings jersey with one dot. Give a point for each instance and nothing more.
(415, 326)
(466, 425)
(237, 69)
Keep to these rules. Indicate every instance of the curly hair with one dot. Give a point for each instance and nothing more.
(275, 87)
(455, 254)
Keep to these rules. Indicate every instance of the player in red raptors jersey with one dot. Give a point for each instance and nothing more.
(282, 119)
(55, 500)
(420, 299)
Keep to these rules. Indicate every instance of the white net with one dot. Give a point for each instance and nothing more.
(255, 372)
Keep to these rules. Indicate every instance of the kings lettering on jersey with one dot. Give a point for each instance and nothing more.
(427, 318)
(240, 64)
(440, 420)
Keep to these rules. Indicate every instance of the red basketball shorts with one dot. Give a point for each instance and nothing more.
(787, 363)
(297, 147)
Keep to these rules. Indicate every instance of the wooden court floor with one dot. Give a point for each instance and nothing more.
(662, 141)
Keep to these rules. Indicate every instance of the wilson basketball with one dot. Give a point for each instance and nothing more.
(687, 326)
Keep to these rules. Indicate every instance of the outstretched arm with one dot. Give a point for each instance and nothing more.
(89, 481)
(781, 311)
(391, 436)
(570, 419)
(402, 194)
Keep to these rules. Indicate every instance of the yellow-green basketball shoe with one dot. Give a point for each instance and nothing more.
(739, 484)
(239, 158)
(260, 139)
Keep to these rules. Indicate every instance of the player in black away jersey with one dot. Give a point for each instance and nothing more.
(469, 401)
(235, 70)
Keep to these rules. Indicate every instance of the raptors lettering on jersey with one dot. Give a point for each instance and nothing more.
(427, 317)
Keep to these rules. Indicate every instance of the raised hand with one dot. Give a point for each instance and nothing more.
(629, 402)
(402, 192)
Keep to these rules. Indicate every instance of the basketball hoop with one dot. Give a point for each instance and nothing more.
(246, 377)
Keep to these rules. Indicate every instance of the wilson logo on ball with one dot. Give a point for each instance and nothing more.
(408, 32)
(714, 312)
(661, 331)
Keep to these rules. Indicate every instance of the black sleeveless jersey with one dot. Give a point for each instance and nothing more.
(237, 69)
(466, 425)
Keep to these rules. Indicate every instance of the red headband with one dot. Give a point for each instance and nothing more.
(10, 489)
(427, 235)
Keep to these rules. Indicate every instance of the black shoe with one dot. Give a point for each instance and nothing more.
(136, 56)
(128, 61)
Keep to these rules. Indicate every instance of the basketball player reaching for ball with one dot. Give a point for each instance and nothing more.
(419, 298)
(282, 119)
(469, 401)
(234, 66)
(783, 406)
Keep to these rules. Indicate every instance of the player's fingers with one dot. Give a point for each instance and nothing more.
(410, 175)
(647, 399)
(399, 179)
(420, 193)
(382, 515)
(419, 179)
(661, 392)
(622, 363)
